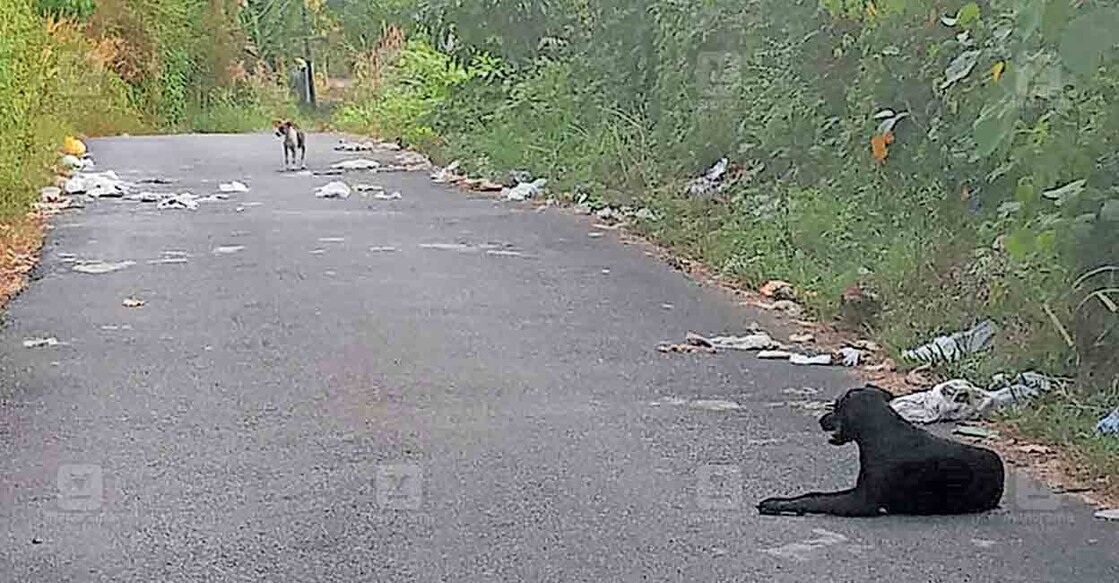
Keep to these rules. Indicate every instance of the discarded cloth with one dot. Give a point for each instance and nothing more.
(755, 341)
(1109, 425)
(953, 348)
(960, 400)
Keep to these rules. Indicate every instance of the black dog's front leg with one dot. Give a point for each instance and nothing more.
(845, 503)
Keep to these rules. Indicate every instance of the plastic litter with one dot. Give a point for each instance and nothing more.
(1112, 514)
(96, 184)
(233, 187)
(334, 190)
(383, 249)
(41, 343)
(228, 249)
(525, 190)
(851, 356)
(955, 347)
(775, 355)
(184, 201)
(73, 146)
(1109, 425)
(444, 175)
(391, 196)
(133, 303)
(345, 146)
(711, 181)
(808, 360)
(359, 164)
(102, 267)
(756, 341)
(447, 246)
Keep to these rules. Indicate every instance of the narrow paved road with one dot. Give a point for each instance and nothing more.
(296, 403)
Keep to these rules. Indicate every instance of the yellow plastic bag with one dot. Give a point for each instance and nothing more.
(73, 146)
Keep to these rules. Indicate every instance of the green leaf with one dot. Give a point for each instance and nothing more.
(1047, 242)
(995, 124)
(1089, 39)
(968, 14)
(1020, 244)
(1026, 193)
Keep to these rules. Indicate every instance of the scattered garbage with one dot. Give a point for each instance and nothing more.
(789, 307)
(412, 162)
(778, 290)
(96, 184)
(233, 187)
(976, 432)
(332, 240)
(504, 253)
(851, 356)
(801, 391)
(102, 267)
(346, 146)
(715, 405)
(71, 163)
(711, 181)
(810, 360)
(334, 190)
(158, 180)
(775, 355)
(1112, 514)
(525, 190)
(359, 164)
(228, 249)
(757, 341)
(447, 246)
(133, 303)
(383, 249)
(41, 343)
(364, 188)
(718, 405)
(185, 201)
(1109, 425)
(946, 349)
(390, 196)
(445, 175)
(960, 400)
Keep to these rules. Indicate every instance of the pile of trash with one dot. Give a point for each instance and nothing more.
(451, 175)
(335, 189)
(367, 146)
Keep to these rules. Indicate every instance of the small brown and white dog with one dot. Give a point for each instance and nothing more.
(294, 141)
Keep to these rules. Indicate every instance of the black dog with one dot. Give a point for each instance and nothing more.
(902, 469)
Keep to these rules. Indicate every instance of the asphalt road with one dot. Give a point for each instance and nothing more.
(294, 403)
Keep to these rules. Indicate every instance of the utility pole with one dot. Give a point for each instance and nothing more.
(309, 83)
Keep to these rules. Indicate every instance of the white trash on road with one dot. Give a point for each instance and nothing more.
(102, 267)
(234, 186)
(960, 400)
(334, 190)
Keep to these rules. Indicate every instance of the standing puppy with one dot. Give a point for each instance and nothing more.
(902, 469)
(294, 140)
